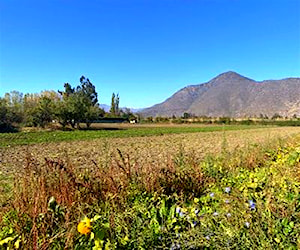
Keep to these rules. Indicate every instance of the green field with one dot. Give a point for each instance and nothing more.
(118, 131)
(151, 187)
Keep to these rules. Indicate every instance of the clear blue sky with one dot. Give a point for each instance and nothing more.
(144, 49)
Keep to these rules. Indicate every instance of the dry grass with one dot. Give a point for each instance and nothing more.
(155, 150)
(149, 154)
(80, 174)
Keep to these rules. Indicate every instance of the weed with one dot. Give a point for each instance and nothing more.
(242, 197)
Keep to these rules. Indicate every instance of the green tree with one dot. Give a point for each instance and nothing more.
(70, 109)
(276, 116)
(62, 113)
(127, 114)
(186, 115)
(78, 104)
(29, 106)
(93, 113)
(14, 99)
(117, 102)
(43, 113)
(87, 90)
(7, 118)
(68, 90)
(39, 108)
(89, 97)
(14, 103)
(113, 105)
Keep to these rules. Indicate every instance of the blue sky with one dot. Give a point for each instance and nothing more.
(144, 49)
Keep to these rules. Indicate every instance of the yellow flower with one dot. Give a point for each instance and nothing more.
(84, 226)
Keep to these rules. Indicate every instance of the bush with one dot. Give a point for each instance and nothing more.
(7, 118)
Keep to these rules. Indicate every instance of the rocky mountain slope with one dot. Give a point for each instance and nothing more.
(230, 94)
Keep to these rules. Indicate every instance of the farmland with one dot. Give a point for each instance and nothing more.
(106, 131)
(164, 187)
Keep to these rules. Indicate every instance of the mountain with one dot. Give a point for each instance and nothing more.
(106, 108)
(231, 94)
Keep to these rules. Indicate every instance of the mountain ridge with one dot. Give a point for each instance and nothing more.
(106, 108)
(234, 95)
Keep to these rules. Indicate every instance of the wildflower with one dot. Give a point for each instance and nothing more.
(215, 214)
(196, 212)
(196, 200)
(207, 237)
(227, 201)
(195, 223)
(252, 204)
(179, 212)
(212, 195)
(173, 246)
(247, 224)
(228, 215)
(227, 190)
(84, 226)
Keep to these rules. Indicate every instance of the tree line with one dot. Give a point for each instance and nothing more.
(69, 107)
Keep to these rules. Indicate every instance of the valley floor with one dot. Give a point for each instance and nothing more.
(224, 189)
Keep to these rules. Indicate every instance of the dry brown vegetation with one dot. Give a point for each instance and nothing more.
(84, 175)
(154, 150)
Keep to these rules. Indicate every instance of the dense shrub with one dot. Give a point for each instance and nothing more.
(8, 117)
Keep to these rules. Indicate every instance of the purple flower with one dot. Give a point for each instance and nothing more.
(228, 215)
(227, 201)
(212, 195)
(252, 204)
(227, 190)
(215, 214)
(179, 212)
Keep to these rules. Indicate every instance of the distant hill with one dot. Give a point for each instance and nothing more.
(231, 94)
(106, 108)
